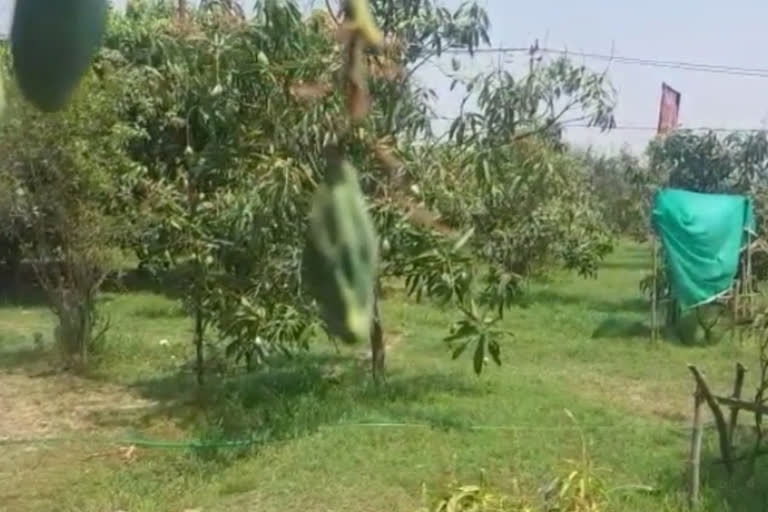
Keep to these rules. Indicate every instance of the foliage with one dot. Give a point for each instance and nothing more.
(293, 412)
(579, 489)
(446, 272)
(733, 164)
(529, 203)
(759, 332)
(248, 166)
(226, 195)
(574, 492)
(233, 117)
(509, 181)
(63, 177)
(418, 31)
(707, 162)
(622, 196)
(711, 163)
(525, 201)
(543, 102)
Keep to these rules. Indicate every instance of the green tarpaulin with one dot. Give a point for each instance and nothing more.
(702, 236)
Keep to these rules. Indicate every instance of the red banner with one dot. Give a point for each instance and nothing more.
(669, 109)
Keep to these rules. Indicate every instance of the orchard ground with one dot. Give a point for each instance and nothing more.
(117, 439)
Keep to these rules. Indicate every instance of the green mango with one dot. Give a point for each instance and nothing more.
(340, 258)
(53, 43)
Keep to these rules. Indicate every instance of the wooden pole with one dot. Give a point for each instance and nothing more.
(717, 412)
(694, 460)
(738, 384)
(654, 285)
(736, 295)
(748, 276)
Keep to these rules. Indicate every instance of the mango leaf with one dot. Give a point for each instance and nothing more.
(495, 351)
(479, 354)
(463, 329)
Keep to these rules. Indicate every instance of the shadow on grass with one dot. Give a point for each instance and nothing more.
(165, 283)
(291, 399)
(627, 265)
(549, 297)
(616, 327)
(633, 262)
(719, 491)
(23, 358)
(23, 290)
(25, 294)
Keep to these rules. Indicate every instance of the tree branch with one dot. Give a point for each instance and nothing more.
(551, 122)
(331, 13)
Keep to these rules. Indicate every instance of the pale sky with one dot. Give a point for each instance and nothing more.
(703, 31)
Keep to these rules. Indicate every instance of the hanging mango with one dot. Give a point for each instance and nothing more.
(53, 44)
(341, 254)
(361, 19)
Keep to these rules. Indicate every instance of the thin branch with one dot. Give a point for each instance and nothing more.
(418, 65)
(331, 13)
(549, 123)
(741, 404)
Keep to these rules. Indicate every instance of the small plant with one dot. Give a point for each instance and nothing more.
(580, 490)
(577, 490)
(479, 329)
(65, 176)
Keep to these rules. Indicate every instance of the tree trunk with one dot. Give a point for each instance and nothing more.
(85, 331)
(181, 9)
(378, 348)
(200, 365)
(10, 266)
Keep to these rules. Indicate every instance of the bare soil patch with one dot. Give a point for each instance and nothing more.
(36, 404)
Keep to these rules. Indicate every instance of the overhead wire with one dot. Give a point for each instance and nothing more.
(639, 127)
(141, 442)
(620, 59)
(679, 128)
(669, 64)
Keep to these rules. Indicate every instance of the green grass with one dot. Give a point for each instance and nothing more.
(581, 345)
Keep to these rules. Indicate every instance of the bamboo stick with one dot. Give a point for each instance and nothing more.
(654, 297)
(694, 460)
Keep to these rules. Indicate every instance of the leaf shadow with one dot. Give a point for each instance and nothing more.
(550, 297)
(292, 398)
(166, 283)
(618, 327)
(719, 490)
(25, 359)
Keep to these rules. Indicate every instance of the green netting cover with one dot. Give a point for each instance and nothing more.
(702, 235)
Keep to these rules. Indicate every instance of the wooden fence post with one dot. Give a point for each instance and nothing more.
(738, 384)
(654, 295)
(694, 459)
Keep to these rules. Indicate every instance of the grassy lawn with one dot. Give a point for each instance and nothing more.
(581, 345)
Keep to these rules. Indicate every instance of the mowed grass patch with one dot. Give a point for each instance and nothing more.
(580, 345)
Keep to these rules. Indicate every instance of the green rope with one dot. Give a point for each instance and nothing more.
(201, 444)
(145, 443)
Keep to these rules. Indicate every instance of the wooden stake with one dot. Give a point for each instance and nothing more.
(654, 297)
(738, 384)
(736, 294)
(748, 276)
(722, 427)
(694, 460)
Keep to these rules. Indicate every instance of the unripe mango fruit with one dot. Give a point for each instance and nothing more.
(53, 43)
